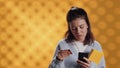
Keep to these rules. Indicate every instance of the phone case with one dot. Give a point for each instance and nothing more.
(81, 55)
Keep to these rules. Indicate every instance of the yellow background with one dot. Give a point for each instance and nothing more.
(31, 29)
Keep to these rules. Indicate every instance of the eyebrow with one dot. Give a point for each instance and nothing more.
(81, 24)
(78, 26)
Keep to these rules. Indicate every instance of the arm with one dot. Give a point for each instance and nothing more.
(55, 62)
(102, 62)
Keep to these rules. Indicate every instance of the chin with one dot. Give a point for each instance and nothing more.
(80, 38)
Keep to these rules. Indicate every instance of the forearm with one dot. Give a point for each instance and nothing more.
(56, 63)
(100, 65)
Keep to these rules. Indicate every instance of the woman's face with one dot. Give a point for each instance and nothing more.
(78, 28)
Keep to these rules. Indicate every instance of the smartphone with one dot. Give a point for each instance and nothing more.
(81, 55)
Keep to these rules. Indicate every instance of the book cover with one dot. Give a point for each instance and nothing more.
(95, 56)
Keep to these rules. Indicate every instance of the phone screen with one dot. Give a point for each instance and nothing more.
(81, 55)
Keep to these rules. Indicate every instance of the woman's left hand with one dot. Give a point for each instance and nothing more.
(84, 64)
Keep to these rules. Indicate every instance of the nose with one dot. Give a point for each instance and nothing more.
(78, 30)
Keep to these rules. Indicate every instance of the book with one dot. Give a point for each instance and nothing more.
(95, 56)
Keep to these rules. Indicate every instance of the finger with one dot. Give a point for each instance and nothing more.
(61, 51)
(84, 64)
(69, 51)
(88, 61)
(64, 53)
(60, 56)
(81, 62)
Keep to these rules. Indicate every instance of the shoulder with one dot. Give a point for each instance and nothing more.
(96, 45)
(62, 42)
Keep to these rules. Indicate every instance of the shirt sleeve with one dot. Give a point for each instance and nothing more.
(102, 62)
(55, 62)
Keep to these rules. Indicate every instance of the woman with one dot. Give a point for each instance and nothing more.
(78, 38)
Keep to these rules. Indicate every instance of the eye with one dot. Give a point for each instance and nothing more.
(81, 26)
(73, 28)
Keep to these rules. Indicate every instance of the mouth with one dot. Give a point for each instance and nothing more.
(78, 35)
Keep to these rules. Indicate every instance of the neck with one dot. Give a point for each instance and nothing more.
(80, 41)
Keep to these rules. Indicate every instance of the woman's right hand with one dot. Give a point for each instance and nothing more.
(62, 54)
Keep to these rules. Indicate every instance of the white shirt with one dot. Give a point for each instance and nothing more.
(79, 46)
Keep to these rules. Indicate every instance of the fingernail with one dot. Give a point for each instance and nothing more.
(70, 51)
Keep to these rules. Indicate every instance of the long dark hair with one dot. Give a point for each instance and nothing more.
(72, 14)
